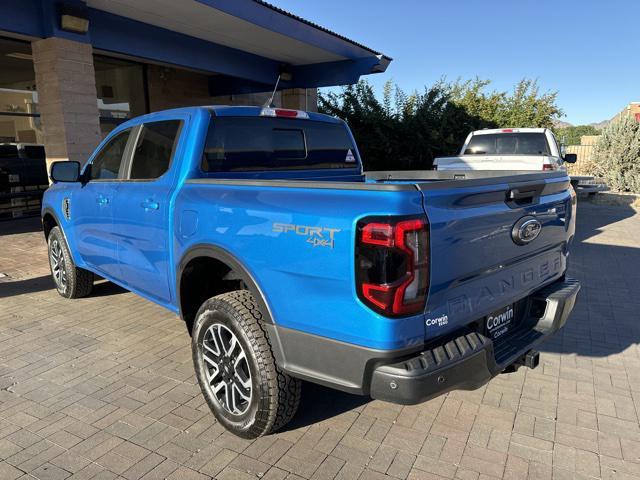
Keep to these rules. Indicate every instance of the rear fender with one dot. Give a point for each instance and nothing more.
(239, 269)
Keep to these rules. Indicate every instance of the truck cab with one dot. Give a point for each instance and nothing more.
(526, 149)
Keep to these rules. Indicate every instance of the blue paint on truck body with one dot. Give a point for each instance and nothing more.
(475, 267)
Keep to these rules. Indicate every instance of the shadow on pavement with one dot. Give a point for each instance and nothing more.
(598, 214)
(102, 288)
(320, 403)
(28, 285)
(605, 319)
(21, 225)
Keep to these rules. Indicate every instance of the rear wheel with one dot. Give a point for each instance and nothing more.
(245, 389)
(70, 281)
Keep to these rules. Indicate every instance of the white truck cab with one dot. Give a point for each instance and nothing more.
(533, 149)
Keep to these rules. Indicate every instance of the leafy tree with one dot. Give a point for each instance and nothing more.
(571, 135)
(616, 156)
(527, 107)
(407, 131)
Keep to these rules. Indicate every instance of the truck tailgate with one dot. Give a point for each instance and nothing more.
(493, 244)
(493, 162)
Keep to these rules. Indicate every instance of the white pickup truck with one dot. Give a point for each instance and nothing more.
(533, 149)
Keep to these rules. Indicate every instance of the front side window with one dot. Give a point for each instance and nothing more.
(106, 164)
(559, 146)
(155, 146)
(244, 144)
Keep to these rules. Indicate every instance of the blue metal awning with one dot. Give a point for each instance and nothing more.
(243, 44)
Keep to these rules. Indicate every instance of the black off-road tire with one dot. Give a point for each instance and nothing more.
(70, 281)
(275, 396)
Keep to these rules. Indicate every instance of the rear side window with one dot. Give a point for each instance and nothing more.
(243, 144)
(106, 164)
(152, 155)
(508, 144)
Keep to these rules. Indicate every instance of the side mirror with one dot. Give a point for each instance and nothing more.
(65, 171)
(570, 157)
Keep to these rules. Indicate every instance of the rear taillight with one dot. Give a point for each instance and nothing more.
(547, 166)
(392, 264)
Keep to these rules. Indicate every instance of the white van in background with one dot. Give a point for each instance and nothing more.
(534, 149)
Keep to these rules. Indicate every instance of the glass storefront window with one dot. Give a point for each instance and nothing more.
(121, 90)
(23, 171)
(20, 128)
(19, 119)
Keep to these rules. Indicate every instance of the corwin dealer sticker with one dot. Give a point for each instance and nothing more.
(500, 321)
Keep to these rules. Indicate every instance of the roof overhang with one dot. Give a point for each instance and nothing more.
(248, 40)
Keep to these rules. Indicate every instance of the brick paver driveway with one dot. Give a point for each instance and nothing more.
(103, 388)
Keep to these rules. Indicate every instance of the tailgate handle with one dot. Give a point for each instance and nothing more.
(524, 194)
(517, 194)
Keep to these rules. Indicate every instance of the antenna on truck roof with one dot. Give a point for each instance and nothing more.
(269, 102)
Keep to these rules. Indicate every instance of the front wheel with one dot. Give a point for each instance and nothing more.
(245, 389)
(71, 281)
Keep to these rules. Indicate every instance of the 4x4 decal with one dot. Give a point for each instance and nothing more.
(316, 236)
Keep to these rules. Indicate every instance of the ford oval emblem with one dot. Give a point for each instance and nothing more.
(526, 230)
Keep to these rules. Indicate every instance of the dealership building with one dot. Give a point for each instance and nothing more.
(71, 71)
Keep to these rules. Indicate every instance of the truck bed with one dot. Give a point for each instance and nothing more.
(460, 178)
(395, 180)
(471, 215)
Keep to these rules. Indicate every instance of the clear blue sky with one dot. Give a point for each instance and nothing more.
(589, 51)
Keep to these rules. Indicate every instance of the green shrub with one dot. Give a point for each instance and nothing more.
(572, 135)
(407, 131)
(616, 156)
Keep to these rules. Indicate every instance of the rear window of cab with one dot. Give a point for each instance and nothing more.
(525, 143)
(243, 144)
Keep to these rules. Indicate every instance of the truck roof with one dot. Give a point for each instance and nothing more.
(487, 131)
(228, 111)
(253, 111)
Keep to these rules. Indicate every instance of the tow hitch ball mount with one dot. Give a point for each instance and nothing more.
(531, 359)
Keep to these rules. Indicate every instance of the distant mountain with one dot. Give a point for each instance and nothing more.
(597, 125)
(600, 125)
(560, 124)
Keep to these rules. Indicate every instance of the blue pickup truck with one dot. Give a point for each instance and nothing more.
(288, 263)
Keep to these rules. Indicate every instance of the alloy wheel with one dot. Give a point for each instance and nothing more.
(58, 266)
(227, 369)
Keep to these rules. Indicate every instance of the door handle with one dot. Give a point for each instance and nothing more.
(150, 205)
(102, 200)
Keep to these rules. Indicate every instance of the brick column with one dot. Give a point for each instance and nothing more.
(67, 99)
(300, 99)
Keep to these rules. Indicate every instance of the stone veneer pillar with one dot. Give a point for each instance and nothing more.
(300, 99)
(67, 98)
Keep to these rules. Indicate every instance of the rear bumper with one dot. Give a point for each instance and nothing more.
(470, 360)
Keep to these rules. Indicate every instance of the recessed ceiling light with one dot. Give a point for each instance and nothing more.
(72, 23)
